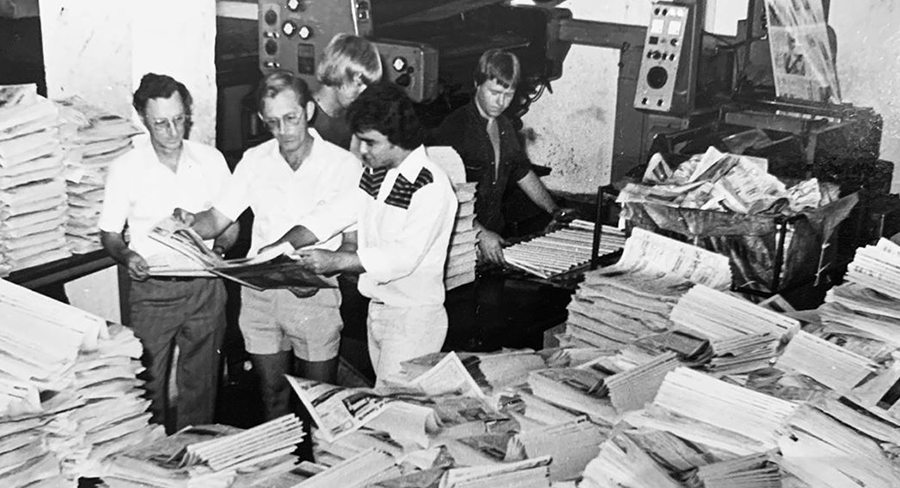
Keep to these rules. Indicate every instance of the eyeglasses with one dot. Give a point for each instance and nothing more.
(288, 120)
(162, 125)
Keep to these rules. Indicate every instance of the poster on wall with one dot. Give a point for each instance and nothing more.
(803, 57)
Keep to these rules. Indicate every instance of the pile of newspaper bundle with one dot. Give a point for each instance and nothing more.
(863, 316)
(725, 182)
(68, 393)
(633, 417)
(727, 393)
(32, 186)
(460, 266)
(632, 299)
(461, 257)
(563, 250)
(210, 456)
(91, 138)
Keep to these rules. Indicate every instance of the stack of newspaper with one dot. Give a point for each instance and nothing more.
(364, 469)
(823, 451)
(68, 392)
(493, 371)
(92, 138)
(563, 250)
(632, 299)
(711, 412)
(209, 456)
(571, 445)
(744, 336)
(757, 470)
(530, 473)
(32, 187)
(461, 257)
(110, 414)
(863, 317)
(694, 429)
(621, 462)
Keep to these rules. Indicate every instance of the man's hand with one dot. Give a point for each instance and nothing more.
(564, 215)
(318, 261)
(183, 216)
(490, 247)
(268, 247)
(302, 291)
(561, 217)
(137, 267)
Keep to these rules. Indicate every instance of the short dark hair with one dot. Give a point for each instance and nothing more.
(499, 65)
(278, 81)
(384, 107)
(160, 86)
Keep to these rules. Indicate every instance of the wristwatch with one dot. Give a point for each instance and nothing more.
(560, 214)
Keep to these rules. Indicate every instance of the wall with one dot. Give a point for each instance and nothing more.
(868, 62)
(570, 131)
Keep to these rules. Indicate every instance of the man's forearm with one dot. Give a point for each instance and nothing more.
(298, 237)
(210, 224)
(227, 238)
(348, 262)
(537, 192)
(115, 246)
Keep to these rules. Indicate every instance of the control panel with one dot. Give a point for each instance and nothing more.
(412, 66)
(293, 34)
(668, 75)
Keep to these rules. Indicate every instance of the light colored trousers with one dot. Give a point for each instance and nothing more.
(398, 334)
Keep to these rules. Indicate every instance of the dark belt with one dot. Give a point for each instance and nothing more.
(174, 278)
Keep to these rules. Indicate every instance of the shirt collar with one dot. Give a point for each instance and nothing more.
(316, 147)
(481, 113)
(413, 164)
(187, 159)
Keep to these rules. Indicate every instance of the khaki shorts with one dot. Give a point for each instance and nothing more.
(272, 321)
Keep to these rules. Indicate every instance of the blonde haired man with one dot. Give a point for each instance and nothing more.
(349, 64)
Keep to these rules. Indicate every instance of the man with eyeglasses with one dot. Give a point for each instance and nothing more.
(282, 181)
(144, 186)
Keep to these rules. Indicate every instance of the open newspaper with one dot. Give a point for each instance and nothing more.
(412, 412)
(275, 268)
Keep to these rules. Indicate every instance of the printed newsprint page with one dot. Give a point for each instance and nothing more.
(275, 268)
(803, 62)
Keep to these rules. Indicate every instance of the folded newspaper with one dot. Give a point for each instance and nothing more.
(412, 412)
(275, 268)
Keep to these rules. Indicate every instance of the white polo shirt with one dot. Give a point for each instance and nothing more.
(279, 196)
(405, 217)
(142, 191)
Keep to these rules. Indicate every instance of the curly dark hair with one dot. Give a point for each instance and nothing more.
(160, 86)
(384, 107)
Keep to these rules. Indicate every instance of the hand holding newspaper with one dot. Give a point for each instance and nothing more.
(274, 268)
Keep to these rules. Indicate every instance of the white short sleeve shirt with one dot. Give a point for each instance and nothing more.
(279, 196)
(142, 191)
